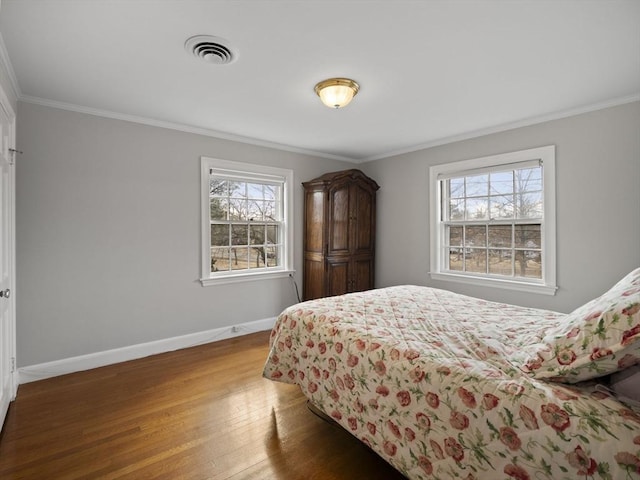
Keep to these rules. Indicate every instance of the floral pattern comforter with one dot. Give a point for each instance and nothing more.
(423, 377)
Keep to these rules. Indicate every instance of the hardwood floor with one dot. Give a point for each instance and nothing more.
(199, 413)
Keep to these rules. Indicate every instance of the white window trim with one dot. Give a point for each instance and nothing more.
(207, 278)
(547, 285)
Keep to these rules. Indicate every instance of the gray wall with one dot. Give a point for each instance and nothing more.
(108, 232)
(597, 196)
(108, 235)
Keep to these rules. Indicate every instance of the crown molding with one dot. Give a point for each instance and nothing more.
(507, 126)
(179, 127)
(263, 143)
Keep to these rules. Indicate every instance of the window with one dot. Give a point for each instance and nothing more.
(493, 220)
(246, 228)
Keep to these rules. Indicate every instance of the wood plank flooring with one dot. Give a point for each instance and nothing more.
(198, 413)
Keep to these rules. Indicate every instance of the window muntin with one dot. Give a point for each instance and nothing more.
(246, 231)
(493, 220)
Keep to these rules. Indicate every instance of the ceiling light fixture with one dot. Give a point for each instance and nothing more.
(337, 92)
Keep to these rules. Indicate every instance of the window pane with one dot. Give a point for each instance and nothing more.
(219, 235)
(456, 209)
(501, 206)
(238, 209)
(256, 234)
(219, 259)
(500, 262)
(255, 210)
(528, 179)
(239, 235)
(218, 208)
(255, 190)
(239, 258)
(217, 187)
(272, 256)
(257, 257)
(454, 236)
(476, 260)
(456, 187)
(271, 192)
(270, 211)
(501, 183)
(528, 264)
(477, 185)
(529, 205)
(237, 189)
(500, 236)
(475, 236)
(455, 259)
(528, 236)
(477, 208)
(272, 234)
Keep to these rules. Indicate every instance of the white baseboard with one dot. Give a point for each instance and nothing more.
(41, 371)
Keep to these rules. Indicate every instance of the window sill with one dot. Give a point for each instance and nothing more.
(245, 277)
(528, 287)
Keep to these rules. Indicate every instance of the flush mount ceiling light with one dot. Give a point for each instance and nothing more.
(337, 92)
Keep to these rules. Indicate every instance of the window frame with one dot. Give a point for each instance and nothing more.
(546, 156)
(249, 172)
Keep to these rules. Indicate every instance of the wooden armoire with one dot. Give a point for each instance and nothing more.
(339, 234)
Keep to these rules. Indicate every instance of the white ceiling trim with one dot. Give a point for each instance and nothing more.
(179, 127)
(508, 126)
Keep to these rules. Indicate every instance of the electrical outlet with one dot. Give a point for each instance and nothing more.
(235, 329)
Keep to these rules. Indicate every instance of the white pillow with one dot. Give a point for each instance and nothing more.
(597, 339)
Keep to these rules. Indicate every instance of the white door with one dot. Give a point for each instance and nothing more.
(8, 385)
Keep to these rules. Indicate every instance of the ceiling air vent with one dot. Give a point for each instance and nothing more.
(211, 49)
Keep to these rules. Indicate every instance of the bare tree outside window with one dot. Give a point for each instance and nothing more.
(493, 223)
(245, 224)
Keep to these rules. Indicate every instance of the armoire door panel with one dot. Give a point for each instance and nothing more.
(314, 221)
(338, 277)
(362, 219)
(362, 274)
(314, 276)
(339, 215)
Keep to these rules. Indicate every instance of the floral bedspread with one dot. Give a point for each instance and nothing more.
(423, 376)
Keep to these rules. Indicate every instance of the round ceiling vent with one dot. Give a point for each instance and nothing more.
(211, 49)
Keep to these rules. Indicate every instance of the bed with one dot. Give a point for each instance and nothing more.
(447, 386)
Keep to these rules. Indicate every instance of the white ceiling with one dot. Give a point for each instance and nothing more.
(430, 71)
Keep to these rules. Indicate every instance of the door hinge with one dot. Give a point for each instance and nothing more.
(13, 364)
